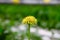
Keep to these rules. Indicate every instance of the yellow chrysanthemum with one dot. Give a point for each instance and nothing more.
(29, 20)
(46, 1)
(15, 1)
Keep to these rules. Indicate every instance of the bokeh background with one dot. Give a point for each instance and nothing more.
(47, 28)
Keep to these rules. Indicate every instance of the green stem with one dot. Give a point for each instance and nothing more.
(22, 37)
(29, 32)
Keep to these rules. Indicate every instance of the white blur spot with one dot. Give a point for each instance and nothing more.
(22, 27)
(45, 38)
(26, 39)
(44, 32)
(33, 30)
(13, 29)
(56, 35)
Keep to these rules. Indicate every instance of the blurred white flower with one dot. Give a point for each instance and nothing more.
(45, 38)
(13, 29)
(26, 38)
(41, 32)
(33, 30)
(22, 27)
(44, 32)
(56, 35)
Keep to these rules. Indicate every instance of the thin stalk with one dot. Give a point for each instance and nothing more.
(28, 31)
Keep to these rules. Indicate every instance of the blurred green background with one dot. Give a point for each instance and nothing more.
(49, 14)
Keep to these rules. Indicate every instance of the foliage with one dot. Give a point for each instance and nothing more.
(48, 16)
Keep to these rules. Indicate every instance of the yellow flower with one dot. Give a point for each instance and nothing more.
(29, 20)
(46, 1)
(15, 1)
